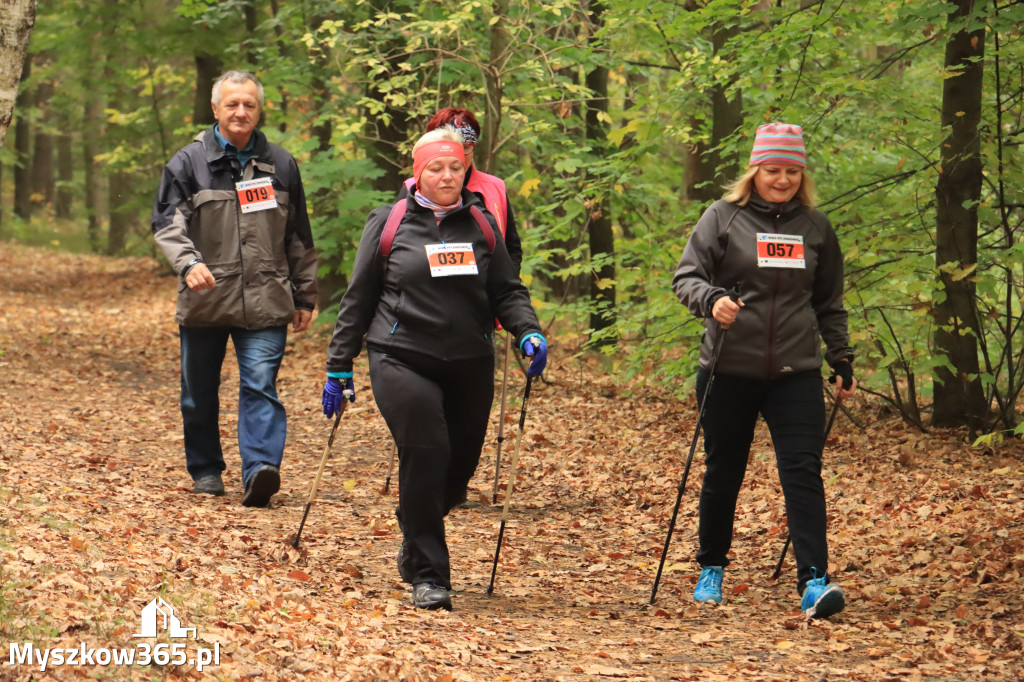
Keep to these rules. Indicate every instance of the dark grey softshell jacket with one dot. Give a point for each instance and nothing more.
(787, 312)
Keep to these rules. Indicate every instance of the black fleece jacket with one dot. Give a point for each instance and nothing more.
(395, 302)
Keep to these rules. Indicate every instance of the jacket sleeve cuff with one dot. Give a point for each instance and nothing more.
(337, 369)
(529, 336)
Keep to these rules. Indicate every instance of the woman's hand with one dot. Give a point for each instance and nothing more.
(842, 376)
(725, 310)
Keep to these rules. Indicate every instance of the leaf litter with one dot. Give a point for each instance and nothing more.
(97, 518)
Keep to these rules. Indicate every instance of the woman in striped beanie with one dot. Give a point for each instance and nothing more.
(767, 265)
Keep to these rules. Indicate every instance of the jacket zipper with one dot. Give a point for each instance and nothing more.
(238, 228)
(771, 311)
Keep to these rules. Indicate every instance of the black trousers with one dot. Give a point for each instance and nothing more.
(437, 413)
(794, 410)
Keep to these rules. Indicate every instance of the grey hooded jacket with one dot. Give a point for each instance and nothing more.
(263, 261)
(787, 311)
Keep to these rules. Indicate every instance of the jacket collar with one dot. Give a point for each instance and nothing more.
(468, 199)
(757, 203)
(216, 155)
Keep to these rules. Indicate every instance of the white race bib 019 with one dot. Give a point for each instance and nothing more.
(256, 195)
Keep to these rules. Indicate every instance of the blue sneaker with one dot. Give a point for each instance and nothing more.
(709, 585)
(821, 600)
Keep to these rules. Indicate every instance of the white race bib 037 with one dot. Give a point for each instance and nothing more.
(447, 260)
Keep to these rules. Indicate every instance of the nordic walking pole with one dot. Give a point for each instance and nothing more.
(733, 294)
(511, 482)
(785, 546)
(320, 471)
(391, 467)
(501, 421)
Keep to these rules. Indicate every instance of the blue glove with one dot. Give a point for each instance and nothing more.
(535, 346)
(334, 392)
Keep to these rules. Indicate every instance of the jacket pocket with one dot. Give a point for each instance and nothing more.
(221, 305)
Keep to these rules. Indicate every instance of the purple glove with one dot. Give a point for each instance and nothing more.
(536, 347)
(334, 391)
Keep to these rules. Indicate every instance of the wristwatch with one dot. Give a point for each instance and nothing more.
(192, 264)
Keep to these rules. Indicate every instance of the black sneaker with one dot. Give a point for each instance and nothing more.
(431, 596)
(208, 485)
(261, 486)
(405, 563)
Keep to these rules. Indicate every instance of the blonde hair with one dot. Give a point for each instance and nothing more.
(442, 134)
(738, 192)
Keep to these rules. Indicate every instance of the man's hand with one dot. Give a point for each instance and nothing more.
(199, 277)
(300, 322)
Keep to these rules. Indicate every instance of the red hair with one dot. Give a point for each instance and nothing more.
(454, 117)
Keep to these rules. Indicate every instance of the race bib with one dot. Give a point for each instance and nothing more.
(256, 195)
(451, 259)
(780, 251)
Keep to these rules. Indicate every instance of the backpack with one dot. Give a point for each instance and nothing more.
(387, 238)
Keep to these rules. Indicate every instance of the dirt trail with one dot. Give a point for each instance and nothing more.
(97, 519)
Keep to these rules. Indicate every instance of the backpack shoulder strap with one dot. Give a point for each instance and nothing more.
(387, 237)
(485, 226)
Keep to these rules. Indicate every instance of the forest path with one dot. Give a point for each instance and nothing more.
(97, 519)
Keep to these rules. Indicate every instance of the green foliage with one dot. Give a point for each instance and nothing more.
(864, 79)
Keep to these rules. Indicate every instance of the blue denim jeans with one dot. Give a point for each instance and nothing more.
(261, 416)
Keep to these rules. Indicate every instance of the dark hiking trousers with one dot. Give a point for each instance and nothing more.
(794, 410)
(437, 413)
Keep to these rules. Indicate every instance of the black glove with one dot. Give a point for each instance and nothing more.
(845, 371)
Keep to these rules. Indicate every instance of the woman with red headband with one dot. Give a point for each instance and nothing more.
(427, 305)
(490, 188)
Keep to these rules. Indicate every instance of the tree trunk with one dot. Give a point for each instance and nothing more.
(16, 22)
(707, 171)
(23, 150)
(92, 129)
(333, 281)
(602, 239)
(91, 188)
(387, 130)
(122, 220)
(43, 186)
(65, 175)
(484, 158)
(959, 398)
(208, 69)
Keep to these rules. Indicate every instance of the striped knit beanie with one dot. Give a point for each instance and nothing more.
(779, 143)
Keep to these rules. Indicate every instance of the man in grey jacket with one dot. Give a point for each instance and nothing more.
(230, 216)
